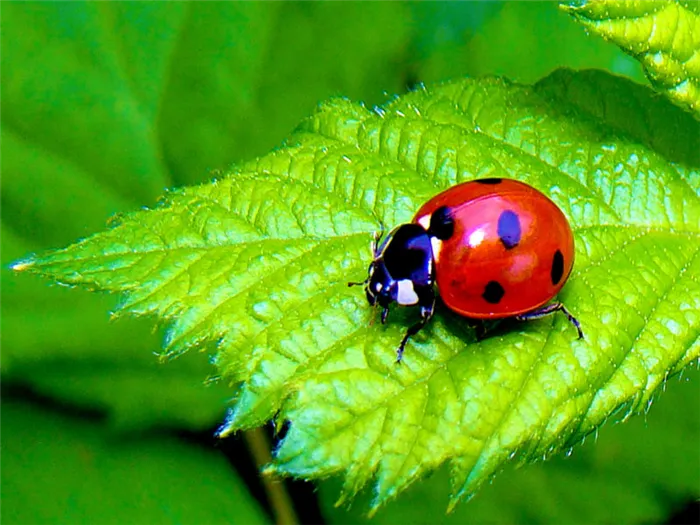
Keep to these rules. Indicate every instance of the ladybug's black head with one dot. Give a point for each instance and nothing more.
(402, 269)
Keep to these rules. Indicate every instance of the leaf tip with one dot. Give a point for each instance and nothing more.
(452, 504)
(272, 471)
(23, 264)
(577, 9)
(227, 427)
(342, 500)
(461, 496)
(572, 6)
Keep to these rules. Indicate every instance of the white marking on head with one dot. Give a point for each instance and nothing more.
(406, 295)
(424, 221)
(437, 246)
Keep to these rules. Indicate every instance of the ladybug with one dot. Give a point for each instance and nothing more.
(494, 248)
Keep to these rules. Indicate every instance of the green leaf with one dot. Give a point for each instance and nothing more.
(663, 36)
(503, 44)
(643, 471)
(59, 343)
(104, 105)
(86, 474)
(255, 266)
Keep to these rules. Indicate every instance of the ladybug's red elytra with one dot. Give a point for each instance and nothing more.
(494, 248)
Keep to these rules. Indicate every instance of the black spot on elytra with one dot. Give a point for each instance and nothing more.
(442, 225)
(493, 292)
(509, 229)
(492, 180)
(557, 267)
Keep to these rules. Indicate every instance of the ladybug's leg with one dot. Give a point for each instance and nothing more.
(480, 330)
(548, 310)
(385, 314)
(426, 312)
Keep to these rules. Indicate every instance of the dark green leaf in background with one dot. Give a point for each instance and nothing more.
(523, 41)
(268, 65)
(83, 474)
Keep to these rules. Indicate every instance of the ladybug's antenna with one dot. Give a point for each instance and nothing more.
(377, 237)
(377, 234)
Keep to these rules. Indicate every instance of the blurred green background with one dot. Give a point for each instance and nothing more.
(105, 105)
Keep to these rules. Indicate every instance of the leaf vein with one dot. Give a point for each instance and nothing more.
(620, 363)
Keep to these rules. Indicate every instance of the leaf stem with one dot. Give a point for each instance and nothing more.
(277, 495)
